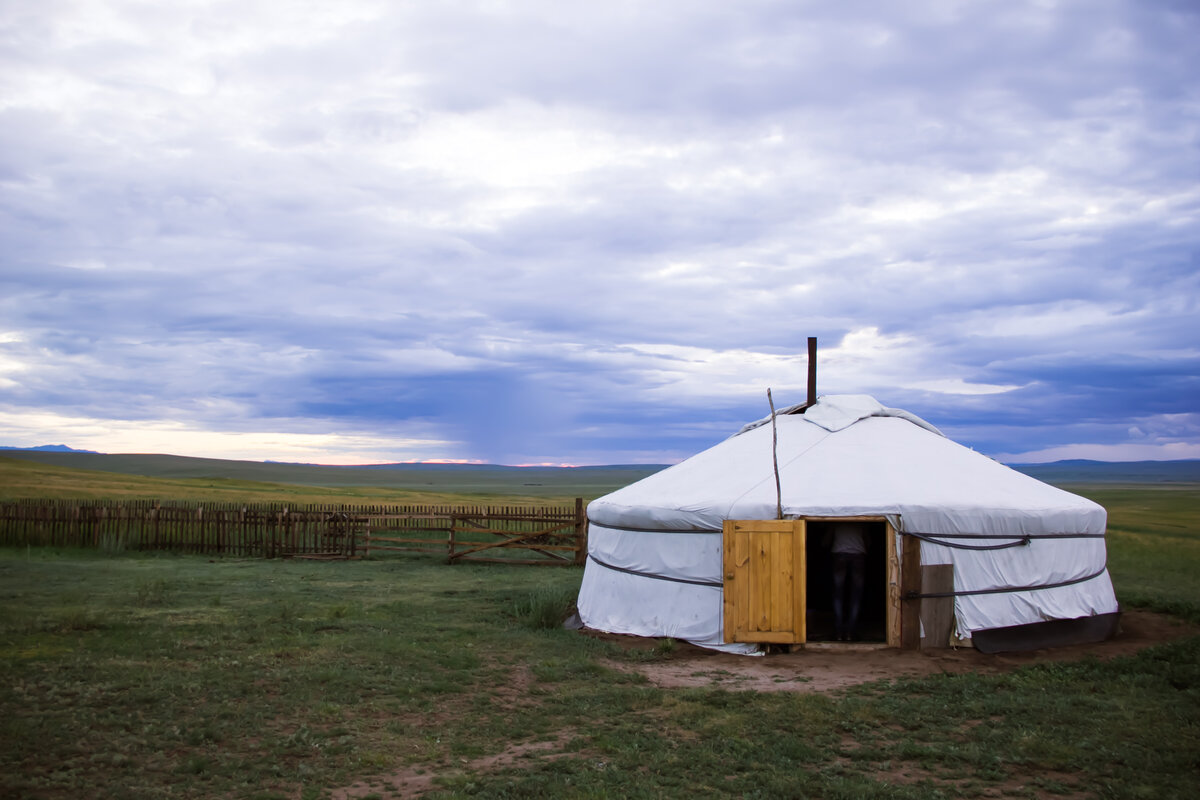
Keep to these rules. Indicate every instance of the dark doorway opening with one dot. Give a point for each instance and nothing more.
(872, 618)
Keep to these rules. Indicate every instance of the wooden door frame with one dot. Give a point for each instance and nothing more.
(893, 624)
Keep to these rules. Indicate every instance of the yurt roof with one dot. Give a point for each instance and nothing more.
(847, 455)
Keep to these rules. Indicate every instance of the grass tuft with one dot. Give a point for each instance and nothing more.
(76, 619)
(151, 593)
(546, 607)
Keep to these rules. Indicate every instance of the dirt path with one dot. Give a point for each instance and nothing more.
(827, 667)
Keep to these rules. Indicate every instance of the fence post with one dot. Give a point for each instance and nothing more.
(581, 531)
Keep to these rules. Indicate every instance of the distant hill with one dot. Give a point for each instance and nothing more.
(500, 479)
(48, 448)
(472, 478)
(1084, 471)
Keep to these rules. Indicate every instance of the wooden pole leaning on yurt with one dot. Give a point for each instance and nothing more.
(775, 458)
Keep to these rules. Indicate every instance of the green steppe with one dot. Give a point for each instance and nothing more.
(160, 676)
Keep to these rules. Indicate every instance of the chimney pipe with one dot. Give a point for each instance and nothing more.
(812, 370)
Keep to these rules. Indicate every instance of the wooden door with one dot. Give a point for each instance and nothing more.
(764, 581)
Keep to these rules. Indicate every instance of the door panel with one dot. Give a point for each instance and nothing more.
(764, 581)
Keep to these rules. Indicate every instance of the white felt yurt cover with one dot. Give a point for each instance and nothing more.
(655, 567)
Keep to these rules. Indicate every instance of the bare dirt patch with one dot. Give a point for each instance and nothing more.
(513, 692)
(1039, 784)
(415, 781)
(830, 666)
(1018, 786)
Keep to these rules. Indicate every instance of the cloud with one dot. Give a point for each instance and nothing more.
(278, 438)
(539, 232)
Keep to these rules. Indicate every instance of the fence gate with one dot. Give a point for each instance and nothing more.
(550, 535)
(546, 536)
(764, 581)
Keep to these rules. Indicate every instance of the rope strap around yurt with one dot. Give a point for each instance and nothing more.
(658, 529)
(1019, 541)
(654, 575)
(1006, 589)
(926, 537)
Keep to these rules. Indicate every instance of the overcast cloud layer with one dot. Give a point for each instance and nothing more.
(595, 233)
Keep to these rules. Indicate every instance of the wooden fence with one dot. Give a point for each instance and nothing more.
(507, 534)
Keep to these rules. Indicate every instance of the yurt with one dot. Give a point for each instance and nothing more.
(730, 549)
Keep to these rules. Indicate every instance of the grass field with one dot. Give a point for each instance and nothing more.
(1153, 544)
(146, 676)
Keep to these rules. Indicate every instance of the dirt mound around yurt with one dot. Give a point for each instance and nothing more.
(828, 667)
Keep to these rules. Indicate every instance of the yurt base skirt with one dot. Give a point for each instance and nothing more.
(1051, 633)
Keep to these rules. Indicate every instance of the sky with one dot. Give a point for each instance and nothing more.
(576, 233)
